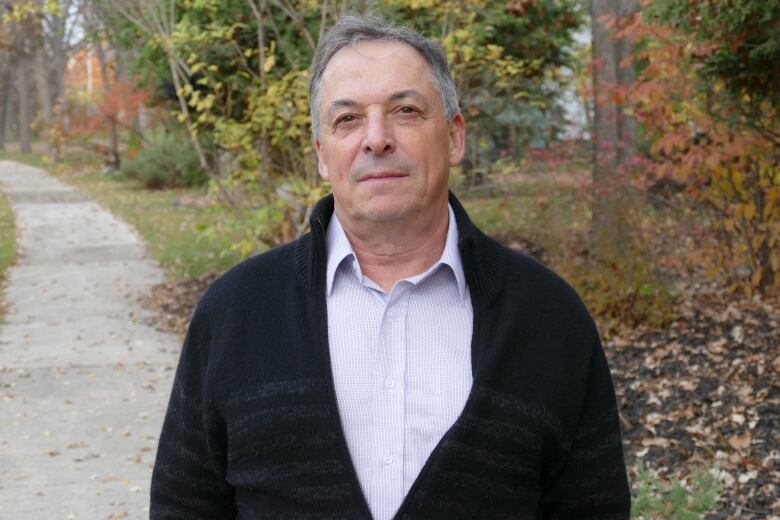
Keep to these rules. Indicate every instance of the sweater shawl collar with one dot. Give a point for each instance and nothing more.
(484, 259)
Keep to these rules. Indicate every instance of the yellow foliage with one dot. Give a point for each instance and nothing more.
(28, 11)
(269, 63)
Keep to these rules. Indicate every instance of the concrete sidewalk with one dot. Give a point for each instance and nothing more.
(83, 382)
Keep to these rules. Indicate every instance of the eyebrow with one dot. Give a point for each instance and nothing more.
(395, 96)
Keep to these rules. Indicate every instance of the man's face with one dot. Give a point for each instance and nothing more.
(385, 143)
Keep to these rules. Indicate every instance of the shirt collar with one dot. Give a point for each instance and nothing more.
(451, 254)
(339, 249)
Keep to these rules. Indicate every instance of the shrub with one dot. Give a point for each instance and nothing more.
(620, 292)
(168, 161)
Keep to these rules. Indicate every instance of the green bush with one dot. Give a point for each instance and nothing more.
(168, 161)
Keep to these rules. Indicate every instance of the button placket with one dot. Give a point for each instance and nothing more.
(389, 423)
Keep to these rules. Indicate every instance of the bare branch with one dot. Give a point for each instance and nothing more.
(323, 18)
(298, 19)
(260, 40)
(245, 64)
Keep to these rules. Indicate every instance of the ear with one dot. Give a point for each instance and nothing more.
(321, 166)
(457, 139)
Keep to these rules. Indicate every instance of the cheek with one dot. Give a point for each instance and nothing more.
(328, 163)
(437, 155)
(339, 159)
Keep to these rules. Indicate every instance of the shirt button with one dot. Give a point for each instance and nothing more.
(389, 382)
(387, 460)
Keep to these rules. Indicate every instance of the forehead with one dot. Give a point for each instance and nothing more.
(375, 68)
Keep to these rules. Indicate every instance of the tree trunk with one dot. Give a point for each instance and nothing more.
(5, 90)
(11, 103)
(185, 110)
(112, 118)
(614, 133)
(512, 144)
(59, 63)
(625, 77)
(25, 112)
(44, 94)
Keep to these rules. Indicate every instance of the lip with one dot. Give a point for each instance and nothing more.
(383, 176)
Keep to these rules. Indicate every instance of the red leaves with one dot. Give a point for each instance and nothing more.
(121, 102)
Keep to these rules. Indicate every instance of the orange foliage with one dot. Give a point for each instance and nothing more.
(730, 167)
(121, 103)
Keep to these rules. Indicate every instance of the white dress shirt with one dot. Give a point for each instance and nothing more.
(401, 364)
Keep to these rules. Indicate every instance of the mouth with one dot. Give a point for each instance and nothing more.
(382, 176)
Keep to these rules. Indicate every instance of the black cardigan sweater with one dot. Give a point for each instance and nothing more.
(253, 429)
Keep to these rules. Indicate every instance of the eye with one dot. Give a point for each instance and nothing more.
(407, 110)
(346, 118)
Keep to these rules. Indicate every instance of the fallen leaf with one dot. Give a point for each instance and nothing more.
(657, 442)
(740, 442)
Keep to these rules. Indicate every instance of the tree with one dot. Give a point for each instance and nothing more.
(21, 32)
(6, 42)
(96, 28)
(60, 20)
(614, 130)
(35, 37)
(157, 20)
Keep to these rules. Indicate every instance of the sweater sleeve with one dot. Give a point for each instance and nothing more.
(592, 484)
(188, 481)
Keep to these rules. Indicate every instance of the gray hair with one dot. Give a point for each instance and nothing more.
(351, 30)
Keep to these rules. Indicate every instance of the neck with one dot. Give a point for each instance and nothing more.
(390, 251)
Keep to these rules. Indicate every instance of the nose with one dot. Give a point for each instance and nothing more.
(378, 139)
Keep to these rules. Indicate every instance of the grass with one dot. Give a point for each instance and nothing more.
(7, 242)
(175, 229)
(543, 216)
(72, 160)
(26, 158)
(7, 238)
(674, 501)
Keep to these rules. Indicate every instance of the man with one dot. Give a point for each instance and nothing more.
(395, 362)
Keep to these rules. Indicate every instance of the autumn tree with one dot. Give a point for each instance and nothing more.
(708, 99)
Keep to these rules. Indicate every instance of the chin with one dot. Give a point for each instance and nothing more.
(385, 213)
